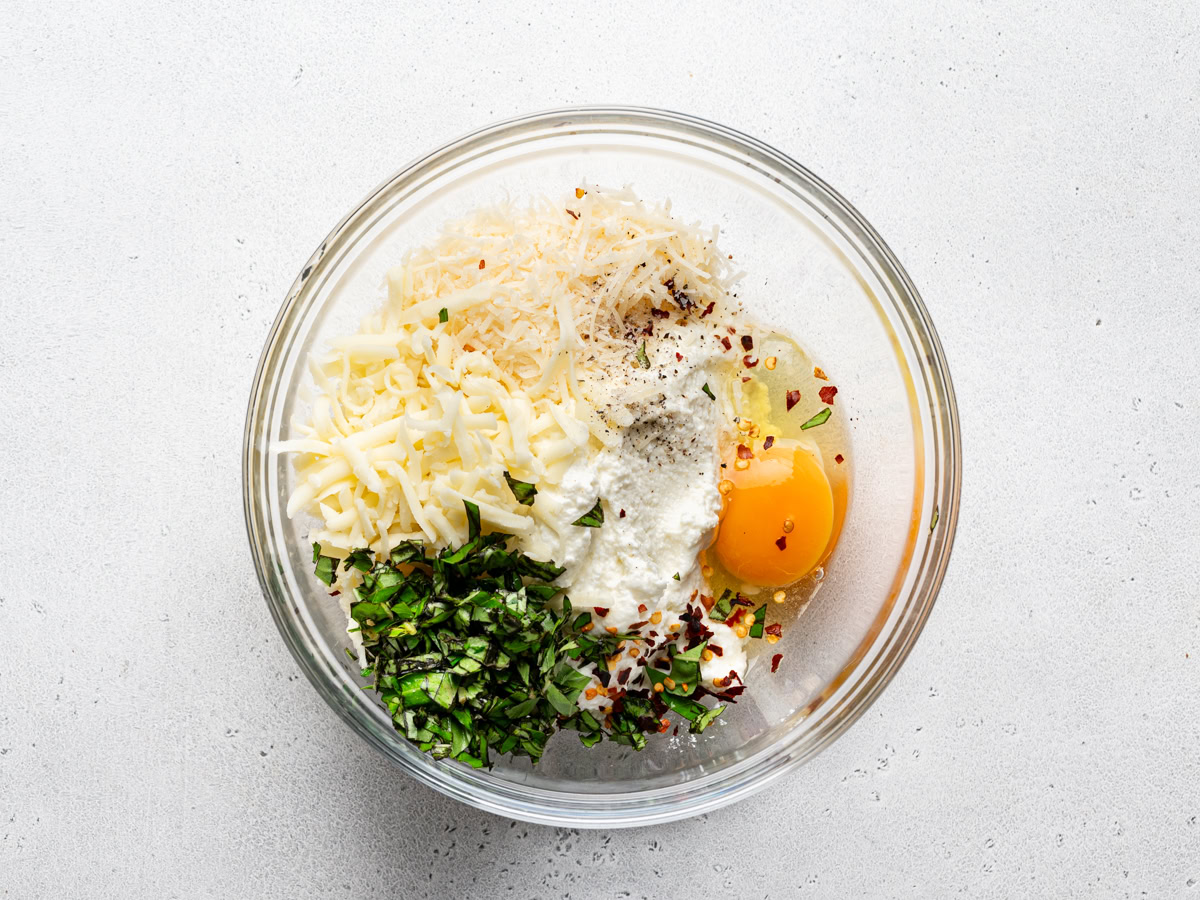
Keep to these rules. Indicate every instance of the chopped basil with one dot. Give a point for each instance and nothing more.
(522, 490)
(689, 709)
(706, 717)
(685, 670)
(546, 571)
(326, 568)
(819, 419)
(358, 559)
(934, 520)
(407, 551)
(559, 700)
(676, 576)
(697, 713)
(642, 358)
(760, 620)
(684, 677)
(593, 518)
(470, 659)
(723, 607)
(443, 315)
(708, 390)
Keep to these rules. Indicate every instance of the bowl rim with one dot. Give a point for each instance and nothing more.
(711, 791)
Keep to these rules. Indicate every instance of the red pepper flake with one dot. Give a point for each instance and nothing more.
(729, 695)
(748, 362)
(675, 732)
(642, 607)
(793, 397)
(622, 515)
(717, 651)
(663, 725)
(745, 378)
(744, 452)
(827, 394)
(731, 329)
(775, 662)
(747, 342)
(708, 309)
(725, 343)
(660, 313)
(818, 372)
(601, 611)
(707, 601)
(775, 629)
(839, 459)
(768, 441)
(623, 676)
(782, 543)
(678, 356)
(740, 600)
(572, 214)
(482, 264)
(685, 302)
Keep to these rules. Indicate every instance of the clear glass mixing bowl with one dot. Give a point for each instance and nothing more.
(815, 267)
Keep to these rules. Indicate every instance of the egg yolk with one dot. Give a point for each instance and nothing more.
(778, 515)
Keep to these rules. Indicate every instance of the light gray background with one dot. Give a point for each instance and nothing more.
(167, 168)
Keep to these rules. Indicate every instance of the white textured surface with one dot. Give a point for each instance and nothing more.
(166, 170)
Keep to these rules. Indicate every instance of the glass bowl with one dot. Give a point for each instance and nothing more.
(816, 268)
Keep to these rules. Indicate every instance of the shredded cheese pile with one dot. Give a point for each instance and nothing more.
(413, 414)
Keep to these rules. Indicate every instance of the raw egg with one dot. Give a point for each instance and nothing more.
(778, 515)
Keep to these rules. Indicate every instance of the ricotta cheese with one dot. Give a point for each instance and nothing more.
(658, 484)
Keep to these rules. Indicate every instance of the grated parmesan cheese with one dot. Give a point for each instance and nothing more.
(412, 415)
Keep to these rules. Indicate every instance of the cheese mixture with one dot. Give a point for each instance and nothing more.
(591, 349)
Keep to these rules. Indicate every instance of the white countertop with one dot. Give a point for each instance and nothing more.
(166, 170)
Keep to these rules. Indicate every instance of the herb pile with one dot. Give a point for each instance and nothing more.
(471, 658)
